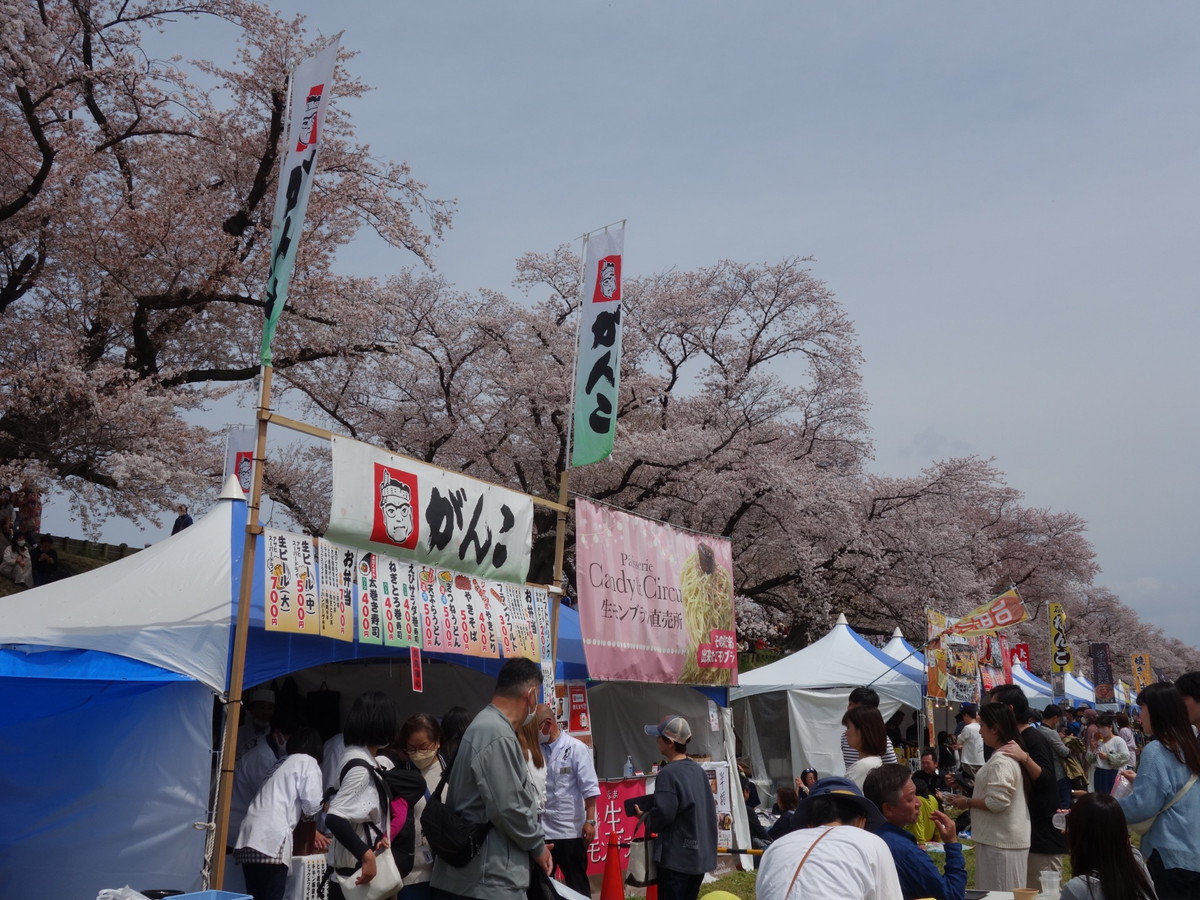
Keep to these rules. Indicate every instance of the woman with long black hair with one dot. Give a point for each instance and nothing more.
(999, 808)
(1165, 789)
(1105, 864)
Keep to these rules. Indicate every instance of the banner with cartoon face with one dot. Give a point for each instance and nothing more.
(413, 511)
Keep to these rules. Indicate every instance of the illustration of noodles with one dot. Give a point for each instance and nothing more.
(706, 591)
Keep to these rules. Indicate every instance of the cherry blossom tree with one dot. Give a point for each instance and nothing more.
(135, 210)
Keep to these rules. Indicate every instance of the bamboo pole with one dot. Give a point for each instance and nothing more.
(560, 546)
(241, 634)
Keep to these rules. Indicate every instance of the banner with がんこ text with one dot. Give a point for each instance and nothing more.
(410, 510)
(655, 601)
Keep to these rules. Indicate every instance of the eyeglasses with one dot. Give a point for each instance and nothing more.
(424, 748)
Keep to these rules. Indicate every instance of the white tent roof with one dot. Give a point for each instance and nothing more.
(168, 605)
(1037, 691)
(1078, 689)
(841, 659)
(911, 661)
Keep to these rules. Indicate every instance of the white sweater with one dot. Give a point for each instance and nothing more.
(1004, 822)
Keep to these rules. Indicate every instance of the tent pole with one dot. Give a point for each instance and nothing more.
(241, 634)
(560, 546)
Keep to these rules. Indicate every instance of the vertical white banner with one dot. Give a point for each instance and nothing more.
(312, 85)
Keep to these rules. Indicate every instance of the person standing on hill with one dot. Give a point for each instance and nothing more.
(182, 521)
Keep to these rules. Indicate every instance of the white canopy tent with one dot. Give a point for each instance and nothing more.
(910, 661)
(789, 713)
(1079, 690)
(1038, 692)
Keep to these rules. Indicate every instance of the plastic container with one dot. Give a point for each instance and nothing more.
(214, 895)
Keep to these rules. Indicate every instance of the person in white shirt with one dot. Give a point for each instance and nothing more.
(572, 790)
(1000, 813)
(830, 855)
(1110, 755)
(358, 815)
(264, 841)
(254, 766)
(970, 740)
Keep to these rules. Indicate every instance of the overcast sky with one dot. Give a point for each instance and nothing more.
(1003, 197)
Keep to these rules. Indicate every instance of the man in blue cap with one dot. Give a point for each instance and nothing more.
(683, 815)
(830, 854)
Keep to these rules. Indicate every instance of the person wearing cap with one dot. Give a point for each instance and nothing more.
(683, 815)
(830, 854)
(893, 790)
(572, 789)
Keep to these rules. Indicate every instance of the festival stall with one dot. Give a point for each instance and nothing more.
(107, 718)
(789, 713)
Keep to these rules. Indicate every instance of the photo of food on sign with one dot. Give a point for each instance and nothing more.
(658, 590)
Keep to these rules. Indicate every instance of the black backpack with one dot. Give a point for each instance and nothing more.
(408, 785)
(452, 838)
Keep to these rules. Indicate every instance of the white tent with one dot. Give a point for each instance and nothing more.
(1079, 690)
(106, 717)
(910, 661)
(789, 713)
(1038, 692)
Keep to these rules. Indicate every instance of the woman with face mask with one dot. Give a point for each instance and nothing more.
(18, 564)
(421, 742)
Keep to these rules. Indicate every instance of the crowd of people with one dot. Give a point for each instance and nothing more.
(524, 793)
(29, 558)
(1033, 787)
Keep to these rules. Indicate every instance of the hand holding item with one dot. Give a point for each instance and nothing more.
(946, 829)
(368, 868)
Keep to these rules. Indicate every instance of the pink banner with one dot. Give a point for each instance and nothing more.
(655, 602)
